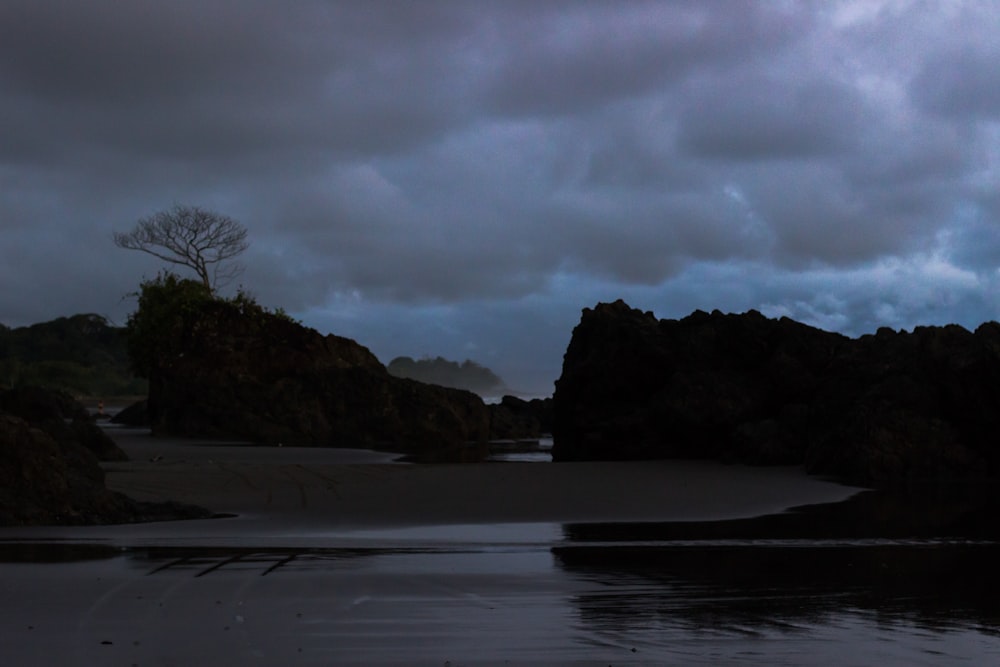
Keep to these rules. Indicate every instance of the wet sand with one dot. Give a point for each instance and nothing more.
(358, 489)
(347, 557)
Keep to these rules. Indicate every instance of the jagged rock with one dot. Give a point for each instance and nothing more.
(744, 387)
(48, 477)
(62, 417)
(267, 379)
(516, 418)
(136, 415)
(35, 404)
(39, 484)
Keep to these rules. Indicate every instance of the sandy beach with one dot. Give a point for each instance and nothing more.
(348, 557)
(358, 488)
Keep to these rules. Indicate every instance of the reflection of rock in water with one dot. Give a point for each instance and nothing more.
(531, 450)
(753, 584)
(930, 561)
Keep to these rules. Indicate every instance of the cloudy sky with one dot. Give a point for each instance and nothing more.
(462, 178)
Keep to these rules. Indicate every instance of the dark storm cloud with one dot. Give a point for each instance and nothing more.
(588, 54)
(768, 118)
(470, 173)
(963, 83)
(199, 80)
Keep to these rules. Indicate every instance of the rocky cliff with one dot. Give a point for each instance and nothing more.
(883, 407)
(256, 376)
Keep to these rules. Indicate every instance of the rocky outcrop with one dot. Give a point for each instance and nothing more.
(51, 475)
(134, 415)
(888, 406)
(516, 418)
(61, 417)
(264, 378)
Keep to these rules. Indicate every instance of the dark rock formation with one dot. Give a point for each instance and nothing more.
(136, 415)
(51, 475)
(265, 378)
(888, 406)
(516, 418)
(511, 418)
(62, 417)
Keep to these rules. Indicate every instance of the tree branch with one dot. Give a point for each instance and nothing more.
(193, 237)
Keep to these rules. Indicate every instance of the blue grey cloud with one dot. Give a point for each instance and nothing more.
(462, 178)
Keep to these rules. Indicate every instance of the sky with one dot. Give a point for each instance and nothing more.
(461, 179)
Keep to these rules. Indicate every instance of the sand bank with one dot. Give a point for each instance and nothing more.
(356, 488)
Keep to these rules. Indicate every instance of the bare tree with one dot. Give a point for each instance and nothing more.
(194, 237)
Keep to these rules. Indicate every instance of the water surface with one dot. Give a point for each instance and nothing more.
(877, 580)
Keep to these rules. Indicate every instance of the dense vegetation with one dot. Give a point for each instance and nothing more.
(86, 356)
(175, 312)
(440, 371)
(83, 355)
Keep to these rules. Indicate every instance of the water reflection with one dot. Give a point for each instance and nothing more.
(882, 579)
(754, 586)
(925, 558)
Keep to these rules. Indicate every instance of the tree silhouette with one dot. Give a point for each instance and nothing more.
(194, 237)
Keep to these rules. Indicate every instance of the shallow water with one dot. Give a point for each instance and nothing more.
(874, 581)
